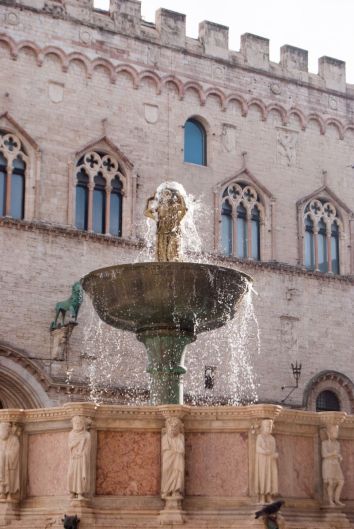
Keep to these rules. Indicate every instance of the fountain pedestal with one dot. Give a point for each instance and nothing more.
(165, 351)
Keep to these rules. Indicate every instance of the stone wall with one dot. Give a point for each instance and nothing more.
(73, 77)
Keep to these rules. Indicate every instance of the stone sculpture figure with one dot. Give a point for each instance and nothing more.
(332, 474)
(71, 305)
(266, 470)
(79, 463)
(172, 448)
(167, 207)
(9, 462)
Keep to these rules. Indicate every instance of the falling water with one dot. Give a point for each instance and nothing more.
(231, 351)
(116, 363)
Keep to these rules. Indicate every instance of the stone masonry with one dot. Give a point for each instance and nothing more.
(73, 77)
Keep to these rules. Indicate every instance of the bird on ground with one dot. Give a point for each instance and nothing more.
(272, 508)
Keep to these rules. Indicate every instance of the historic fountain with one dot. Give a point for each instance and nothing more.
(168, 302)
(115, 466)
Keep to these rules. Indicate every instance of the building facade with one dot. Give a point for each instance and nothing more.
(97, 109)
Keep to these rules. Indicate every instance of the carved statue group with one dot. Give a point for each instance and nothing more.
(266, 466)
(167, 207)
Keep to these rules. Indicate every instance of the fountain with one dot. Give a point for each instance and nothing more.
(168, 302)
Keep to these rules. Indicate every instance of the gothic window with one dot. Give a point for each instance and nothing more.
(240, 221)
(327, 401)
(99, 192)
(194, 142)
(321, 237)
(13, 162)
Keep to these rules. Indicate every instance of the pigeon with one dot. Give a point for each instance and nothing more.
(272, 508)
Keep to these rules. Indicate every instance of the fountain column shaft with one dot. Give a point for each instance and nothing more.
(165, 349)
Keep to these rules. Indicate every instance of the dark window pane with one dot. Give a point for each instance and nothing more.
(242, 239)
(226, 228)
(115, 223)
(18, 189)
(309, 245)
(255, 225)
(99, 210)
(335, 248)
(81, 200)
(81, 207)
(3, 164)
(194, 142)
(327, 401)
(322, 247)
(99, 204)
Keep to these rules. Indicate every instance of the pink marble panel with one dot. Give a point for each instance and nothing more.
(216, 464)
(296, 466)
(48, 458)
(128, 463)
(347, 452)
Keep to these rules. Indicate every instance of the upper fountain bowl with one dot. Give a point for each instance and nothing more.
(181, 296)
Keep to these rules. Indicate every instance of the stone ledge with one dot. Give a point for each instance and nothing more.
(68, 231)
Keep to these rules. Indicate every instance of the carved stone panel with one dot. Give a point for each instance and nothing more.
(286, 147)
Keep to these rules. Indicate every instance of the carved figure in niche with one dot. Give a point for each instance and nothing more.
(332, 474)
(71, 304)
(287, 147)
(266, 463)
(79, 463)
(172, 448)
(167, 207)
(9, 461)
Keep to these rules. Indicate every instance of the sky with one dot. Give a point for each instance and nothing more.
(323, 27)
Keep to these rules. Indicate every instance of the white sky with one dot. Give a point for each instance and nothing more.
(323, 27)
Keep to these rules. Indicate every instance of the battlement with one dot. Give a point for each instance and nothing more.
(169, 29)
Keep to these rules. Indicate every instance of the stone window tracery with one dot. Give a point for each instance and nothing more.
(99, 193)
(13, 164)
(322, 228)
(241, 212)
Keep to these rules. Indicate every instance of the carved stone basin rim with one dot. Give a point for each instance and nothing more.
(185, 297)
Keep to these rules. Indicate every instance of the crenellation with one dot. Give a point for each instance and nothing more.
(293, 59)
(332, 72)
(255, 51)
(215, 39)
(126, 15)
(171, 27)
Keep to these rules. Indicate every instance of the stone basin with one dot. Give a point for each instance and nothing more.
(166, 304)
(190, 297)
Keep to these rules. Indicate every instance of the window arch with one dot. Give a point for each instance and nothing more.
(195, 142)
(13, 166)
(99, 192)
(241, 212)
(329, 391)
(322, 230)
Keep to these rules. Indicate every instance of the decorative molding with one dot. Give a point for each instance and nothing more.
(182, 87)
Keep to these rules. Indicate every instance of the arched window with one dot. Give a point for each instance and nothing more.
(13, 158)
(99, 192)
(321, 240)
(194, 142)
(327, 401)
(240, 221)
